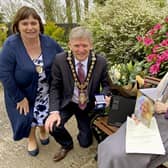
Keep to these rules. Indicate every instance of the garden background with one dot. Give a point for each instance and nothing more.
(125, 31)
(131, 34)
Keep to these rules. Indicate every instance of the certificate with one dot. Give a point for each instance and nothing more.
(142, 139)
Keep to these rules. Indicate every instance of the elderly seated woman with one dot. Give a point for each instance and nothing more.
(111, 151)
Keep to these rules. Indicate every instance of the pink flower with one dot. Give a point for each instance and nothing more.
(157, 26)
(139, 38)
(151, 57)
(154, 69)
(155, 48)
(148, 41)
(163, 57)
(151, 32)
(164, 42)
(166, 19)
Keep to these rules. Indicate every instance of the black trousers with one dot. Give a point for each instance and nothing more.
(63, 137)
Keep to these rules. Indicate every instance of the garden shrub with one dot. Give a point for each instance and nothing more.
(3, 33)
(55, 32)
(116, 25)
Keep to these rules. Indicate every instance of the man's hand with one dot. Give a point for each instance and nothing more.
(23, 106)
(51, 120)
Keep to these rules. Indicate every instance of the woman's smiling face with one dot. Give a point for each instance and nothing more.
(29, 28)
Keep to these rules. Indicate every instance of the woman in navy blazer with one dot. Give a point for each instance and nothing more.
(25, 65)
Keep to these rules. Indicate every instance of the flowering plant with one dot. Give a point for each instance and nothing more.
(124, 74)
(125, 77)
(155, 46)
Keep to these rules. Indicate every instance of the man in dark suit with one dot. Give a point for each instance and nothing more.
(77, 77)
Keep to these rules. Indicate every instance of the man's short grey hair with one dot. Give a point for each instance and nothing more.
(79, 33)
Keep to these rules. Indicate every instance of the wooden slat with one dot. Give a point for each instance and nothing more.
(148, 80)
(101, 123)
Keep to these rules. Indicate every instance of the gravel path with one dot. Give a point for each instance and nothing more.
(13, 154)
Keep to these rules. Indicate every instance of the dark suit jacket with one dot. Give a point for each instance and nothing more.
(20, 79)
(62, 85)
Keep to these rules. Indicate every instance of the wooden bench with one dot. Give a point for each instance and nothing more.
(101, 123)
(151, 81)
(100, 127)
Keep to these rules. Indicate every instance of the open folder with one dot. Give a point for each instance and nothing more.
(144, 107)
(160, 92)
(141, 139)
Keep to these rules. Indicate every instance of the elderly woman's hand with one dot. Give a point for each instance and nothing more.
(136, 120)
(160, 107)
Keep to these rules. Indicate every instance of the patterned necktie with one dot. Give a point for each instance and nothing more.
(81, 73)
(81, 76)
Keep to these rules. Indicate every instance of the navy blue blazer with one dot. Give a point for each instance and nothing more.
(20, 79)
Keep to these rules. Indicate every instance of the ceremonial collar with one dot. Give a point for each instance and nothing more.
(81, 86)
